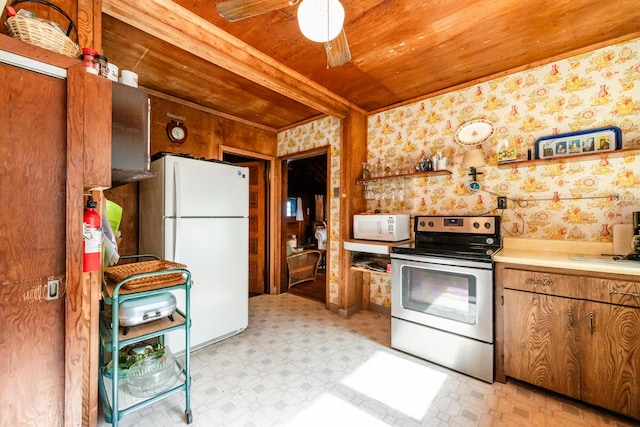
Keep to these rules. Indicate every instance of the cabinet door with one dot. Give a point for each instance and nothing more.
(610, 357)
(539, 341)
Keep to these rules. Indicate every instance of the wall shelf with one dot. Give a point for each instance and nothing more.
(576, 158)
(405, 176)
(367, 270)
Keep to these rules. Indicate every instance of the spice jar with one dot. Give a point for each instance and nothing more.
(88, 59)
(102, 65)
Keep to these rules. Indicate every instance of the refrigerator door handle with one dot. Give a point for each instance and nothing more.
(177, 208)
(176, 239)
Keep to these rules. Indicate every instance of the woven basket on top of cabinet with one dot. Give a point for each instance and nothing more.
(41, 33)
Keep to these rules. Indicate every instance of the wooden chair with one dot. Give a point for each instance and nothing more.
(303, 266)
(321, 237)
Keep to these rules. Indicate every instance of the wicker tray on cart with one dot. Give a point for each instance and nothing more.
(119, 273)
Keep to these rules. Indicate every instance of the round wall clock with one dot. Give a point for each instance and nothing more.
(176, 131)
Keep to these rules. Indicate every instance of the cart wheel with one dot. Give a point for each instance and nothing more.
(189, 416)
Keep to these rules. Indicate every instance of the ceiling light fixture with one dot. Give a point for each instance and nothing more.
(320, 20)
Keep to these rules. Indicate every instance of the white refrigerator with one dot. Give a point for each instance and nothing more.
(196, 212)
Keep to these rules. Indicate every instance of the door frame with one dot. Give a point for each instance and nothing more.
(270, 250)
(282, 193)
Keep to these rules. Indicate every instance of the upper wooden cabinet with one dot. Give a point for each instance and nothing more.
(575, 335)
(94, 121)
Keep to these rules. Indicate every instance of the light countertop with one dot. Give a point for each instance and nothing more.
(372, 246)
(585, 256)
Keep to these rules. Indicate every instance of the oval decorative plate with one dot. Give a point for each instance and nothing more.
(474, 132)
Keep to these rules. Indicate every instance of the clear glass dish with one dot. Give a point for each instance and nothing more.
(153, 374)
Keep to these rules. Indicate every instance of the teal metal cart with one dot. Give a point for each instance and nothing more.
(115, 399)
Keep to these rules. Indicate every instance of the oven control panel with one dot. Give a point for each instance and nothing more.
(457, 224)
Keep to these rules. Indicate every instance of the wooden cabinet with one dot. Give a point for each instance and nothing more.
(575, 335)
(610, 347)
(57, 135)
(540, 342)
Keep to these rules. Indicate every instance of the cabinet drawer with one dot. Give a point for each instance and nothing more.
(543, 283)
(613, 291)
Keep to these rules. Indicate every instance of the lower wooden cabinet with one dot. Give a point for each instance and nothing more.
(540, 345)
(610, 357)
(575, 335)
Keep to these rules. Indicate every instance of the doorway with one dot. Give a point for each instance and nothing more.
(306, 212)
(258, 220)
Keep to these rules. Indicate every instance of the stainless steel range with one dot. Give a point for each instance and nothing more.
(442, 292)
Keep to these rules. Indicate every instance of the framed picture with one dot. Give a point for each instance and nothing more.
(581, 142)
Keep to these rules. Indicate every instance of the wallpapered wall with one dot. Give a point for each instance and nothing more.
(561, 199)
(321, 133)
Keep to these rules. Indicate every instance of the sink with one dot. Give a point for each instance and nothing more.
(605, 259)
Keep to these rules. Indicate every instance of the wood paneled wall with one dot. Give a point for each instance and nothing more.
(354, 142)
(127, 197)
(206, 133)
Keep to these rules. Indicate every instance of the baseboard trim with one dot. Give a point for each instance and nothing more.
(380, 309)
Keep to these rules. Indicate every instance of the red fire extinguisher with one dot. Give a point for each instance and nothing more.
(92, 238)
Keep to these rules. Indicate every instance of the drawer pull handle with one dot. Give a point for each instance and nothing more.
(631, 294)
(591, 322)
(569, 319)
(543, 282)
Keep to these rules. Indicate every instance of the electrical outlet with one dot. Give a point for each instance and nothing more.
(502, 202)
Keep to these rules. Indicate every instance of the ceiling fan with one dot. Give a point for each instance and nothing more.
(319, 20)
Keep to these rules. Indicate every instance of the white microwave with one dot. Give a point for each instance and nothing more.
(387, 228)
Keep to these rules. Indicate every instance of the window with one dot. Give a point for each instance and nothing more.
(292, 206)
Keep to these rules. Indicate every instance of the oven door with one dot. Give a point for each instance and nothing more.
(450, 295)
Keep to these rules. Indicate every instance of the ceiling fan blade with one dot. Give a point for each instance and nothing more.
(235, 10)
(338, 52)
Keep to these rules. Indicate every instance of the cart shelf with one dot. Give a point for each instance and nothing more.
(140, 332)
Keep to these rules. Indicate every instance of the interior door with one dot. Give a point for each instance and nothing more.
(32, 226)
(258, 282)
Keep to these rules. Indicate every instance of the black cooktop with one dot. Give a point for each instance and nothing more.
(447, 251)
(459, 237)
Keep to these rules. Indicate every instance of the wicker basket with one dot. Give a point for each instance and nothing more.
(43, 34)
(118, 273)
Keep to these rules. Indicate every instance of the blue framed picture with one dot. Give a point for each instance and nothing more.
(581, 142)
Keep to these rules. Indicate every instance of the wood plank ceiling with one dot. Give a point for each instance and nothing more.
(402, 50)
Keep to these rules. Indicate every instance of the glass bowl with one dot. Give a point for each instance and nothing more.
(153, 374)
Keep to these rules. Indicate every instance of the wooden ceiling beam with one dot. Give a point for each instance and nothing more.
(179, 27)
